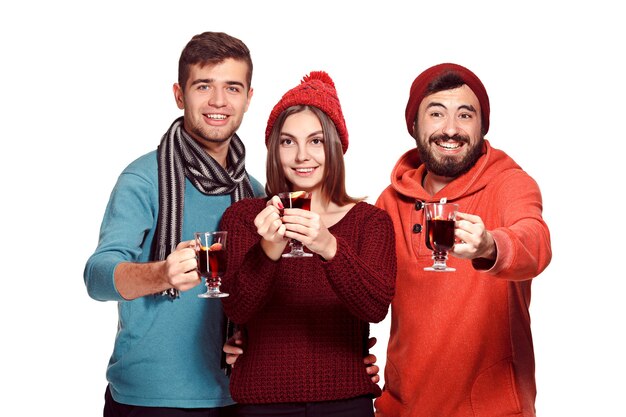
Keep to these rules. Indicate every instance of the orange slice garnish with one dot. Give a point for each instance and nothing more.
(216, 246)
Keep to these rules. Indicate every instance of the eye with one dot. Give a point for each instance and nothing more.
(234, 89)
(203, 87)
(286, 141)
(317, 141)
(465, 115)
(436, 114)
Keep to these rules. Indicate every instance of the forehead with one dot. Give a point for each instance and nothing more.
(304, 120)
(453, 99)
(229, 71)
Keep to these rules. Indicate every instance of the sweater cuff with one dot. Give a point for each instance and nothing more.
(503, 245)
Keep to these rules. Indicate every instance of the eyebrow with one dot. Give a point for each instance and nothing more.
(211, 80)
(318, 132)
(467, 107)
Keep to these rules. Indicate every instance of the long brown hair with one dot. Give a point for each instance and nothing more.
(334, 184)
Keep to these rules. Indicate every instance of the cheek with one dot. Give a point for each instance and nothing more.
(427, 127)
(319, 155)
(471, 126)
(285, 157)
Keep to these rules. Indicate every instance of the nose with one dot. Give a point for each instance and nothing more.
(303, 153)
(450, 127)
(217, 98)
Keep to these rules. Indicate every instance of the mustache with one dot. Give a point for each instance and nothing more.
(442, 137)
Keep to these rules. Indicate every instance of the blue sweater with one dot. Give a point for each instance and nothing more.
(167, 352)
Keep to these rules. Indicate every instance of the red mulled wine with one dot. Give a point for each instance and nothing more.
(440, 235)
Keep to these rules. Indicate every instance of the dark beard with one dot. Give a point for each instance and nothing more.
(449, 167)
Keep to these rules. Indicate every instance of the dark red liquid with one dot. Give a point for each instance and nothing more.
(303, 203)
(216, 260)
(440, 234)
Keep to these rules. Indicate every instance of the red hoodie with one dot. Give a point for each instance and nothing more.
(460, 342)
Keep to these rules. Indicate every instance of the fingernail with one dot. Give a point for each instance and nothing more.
(280, 206)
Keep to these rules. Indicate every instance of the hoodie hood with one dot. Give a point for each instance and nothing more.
(409, 171)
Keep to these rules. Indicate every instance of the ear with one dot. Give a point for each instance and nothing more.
(179, 96)
(250, 93)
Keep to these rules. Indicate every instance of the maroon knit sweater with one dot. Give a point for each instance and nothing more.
(307, 320)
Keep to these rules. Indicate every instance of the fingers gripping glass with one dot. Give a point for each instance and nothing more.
(211, 255)
(301, 200)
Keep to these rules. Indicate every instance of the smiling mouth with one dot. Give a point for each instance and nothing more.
(449, 145)
(304, 170)
(216, 116)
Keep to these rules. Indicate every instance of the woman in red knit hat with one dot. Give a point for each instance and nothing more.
(306, 320)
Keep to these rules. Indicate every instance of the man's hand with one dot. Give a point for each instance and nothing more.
(370, 362)
(232, 349)
(180, 267)
(475, 239)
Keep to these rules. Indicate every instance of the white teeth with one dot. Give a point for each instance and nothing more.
(216, 116)
(449, 145)
(304, 170)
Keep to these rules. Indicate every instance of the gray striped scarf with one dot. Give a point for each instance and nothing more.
(180, 156)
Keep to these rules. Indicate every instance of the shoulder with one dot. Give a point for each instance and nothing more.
(247, 206)
(364, 211)
(259, 190)
(364, 220)
(140, 176)
(144, 166)
(241, 215)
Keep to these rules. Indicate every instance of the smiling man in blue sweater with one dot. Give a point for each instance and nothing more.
(166, 359)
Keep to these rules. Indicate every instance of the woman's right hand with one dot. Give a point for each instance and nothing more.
(270, 227)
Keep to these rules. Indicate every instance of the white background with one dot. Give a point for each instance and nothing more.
(86, 88)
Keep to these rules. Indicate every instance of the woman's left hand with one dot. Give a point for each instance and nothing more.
(308, 227)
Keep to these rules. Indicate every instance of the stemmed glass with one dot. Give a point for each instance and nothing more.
(301, 200)
(440, 218)
(211, 254)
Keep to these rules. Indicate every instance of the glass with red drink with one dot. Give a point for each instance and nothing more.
(300, 200)
(211, 255)
(440, 218)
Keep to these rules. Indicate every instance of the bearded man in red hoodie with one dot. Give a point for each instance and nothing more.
(460, 342)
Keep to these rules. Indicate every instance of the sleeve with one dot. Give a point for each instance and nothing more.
(250, 273)
(521, 235)
(363, 272)
(129, 216)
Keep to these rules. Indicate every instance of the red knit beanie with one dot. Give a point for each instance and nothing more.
(421, 83)
(316, 89)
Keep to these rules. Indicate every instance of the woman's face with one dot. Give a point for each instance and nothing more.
(301, 151)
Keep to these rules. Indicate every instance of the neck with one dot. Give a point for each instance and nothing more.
(217, 151)
(318, 203)
(434, 183)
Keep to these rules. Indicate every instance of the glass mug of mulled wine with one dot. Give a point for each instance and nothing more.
(299, 200)
(211, 255)
(440, 218)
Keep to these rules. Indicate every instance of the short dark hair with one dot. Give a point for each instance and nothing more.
(210, 48)
(447, 81)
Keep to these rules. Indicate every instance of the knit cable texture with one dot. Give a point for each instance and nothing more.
(307, 320)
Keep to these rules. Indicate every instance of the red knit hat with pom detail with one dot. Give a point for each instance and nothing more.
(422, 82)
(316, 89)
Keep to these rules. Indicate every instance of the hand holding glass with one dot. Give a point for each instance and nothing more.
(440, 218)
(301, 200)
(211, 255)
